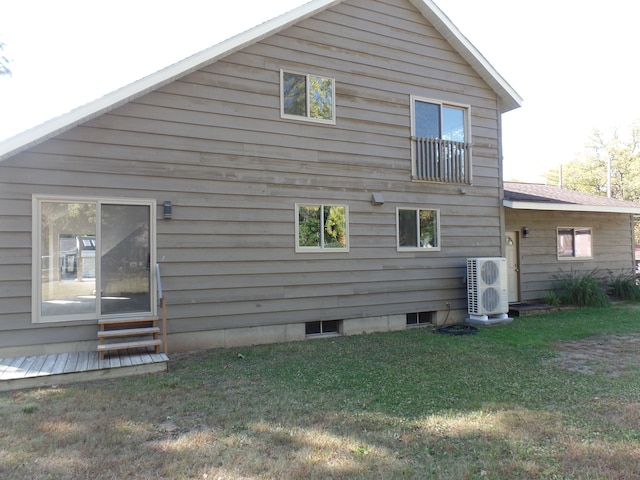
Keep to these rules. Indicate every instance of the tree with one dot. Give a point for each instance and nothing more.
(321, 94)
(613, 158)
(609, 164)
(4, 62)
(335, 226)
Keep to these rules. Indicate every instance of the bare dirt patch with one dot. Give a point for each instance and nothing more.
(608, 354)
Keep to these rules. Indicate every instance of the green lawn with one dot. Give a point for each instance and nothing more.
(411, 404)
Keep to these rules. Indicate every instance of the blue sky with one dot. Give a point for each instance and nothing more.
(572, 62)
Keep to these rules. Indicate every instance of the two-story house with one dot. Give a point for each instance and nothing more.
(327, 172)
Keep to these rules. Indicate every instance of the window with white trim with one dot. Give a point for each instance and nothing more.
(307, 97)
(418, 229)
(322, 228)
(440, 141)
(574, 243)
(92, 257)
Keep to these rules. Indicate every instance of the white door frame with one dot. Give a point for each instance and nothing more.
(512, 253)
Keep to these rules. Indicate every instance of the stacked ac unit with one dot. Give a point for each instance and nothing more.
(487, 293)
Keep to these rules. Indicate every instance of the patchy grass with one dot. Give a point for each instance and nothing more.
(410, 404)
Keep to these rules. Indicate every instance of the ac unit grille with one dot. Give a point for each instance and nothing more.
(490, 272)
(491, 299)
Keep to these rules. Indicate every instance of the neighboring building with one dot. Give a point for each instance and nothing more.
(552, 232)
(327, 171)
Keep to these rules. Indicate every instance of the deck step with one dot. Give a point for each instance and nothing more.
(120, 328)
(104, 322)
(125, 332)
(125, 345)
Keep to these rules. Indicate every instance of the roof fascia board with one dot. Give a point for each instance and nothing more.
(113, 100)
(568, 207)
(510, 99)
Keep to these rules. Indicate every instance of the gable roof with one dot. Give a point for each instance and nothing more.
(509, 98)
(535, 196)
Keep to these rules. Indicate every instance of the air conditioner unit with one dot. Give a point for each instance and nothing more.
(487, 293)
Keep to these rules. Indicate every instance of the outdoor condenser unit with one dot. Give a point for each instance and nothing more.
(487, 292)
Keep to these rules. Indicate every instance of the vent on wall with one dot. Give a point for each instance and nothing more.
(420, 318)
(325, 327)
(487, 293)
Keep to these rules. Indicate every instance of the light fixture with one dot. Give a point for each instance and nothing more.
(167, 210)
(525, 232)
(376, 198)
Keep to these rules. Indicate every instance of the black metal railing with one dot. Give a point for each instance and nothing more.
(442, 160)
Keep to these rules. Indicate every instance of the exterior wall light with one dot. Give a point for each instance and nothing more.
(525, 232)
(167, 210)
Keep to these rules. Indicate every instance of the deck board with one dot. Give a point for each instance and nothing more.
(61, 361)
(55, 369)
(71, 363)
(83, 361)
(47, 366)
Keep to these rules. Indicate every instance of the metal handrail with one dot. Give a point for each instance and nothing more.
(163, 309)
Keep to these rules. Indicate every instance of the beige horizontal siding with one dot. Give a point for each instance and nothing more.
(539, 265)
(213, 143)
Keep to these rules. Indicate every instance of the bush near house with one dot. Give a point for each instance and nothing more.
(624, 287)
(592, 289)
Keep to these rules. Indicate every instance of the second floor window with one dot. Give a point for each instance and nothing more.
(307, 97)
(440, 142)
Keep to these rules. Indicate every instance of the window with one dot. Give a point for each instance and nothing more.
(307, 97)
(440, 141)
(419, 318)
(82, 246)
(574, 243)
(322, 228)
(418, 229)
(325, 327)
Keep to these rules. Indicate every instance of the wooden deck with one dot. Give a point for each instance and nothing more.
(64, 368)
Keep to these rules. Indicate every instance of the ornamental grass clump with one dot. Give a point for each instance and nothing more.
(582, 290)
(624, 287)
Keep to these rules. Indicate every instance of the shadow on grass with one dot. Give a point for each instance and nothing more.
(403, 405)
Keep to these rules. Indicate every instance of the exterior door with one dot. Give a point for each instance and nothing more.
(92, 258)
(513, 267)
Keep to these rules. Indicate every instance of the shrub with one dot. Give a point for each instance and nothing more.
(624, 287)
(582, 290)
(552, 299)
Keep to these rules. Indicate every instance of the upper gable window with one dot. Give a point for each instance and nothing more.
(441, 151)
(307, 97)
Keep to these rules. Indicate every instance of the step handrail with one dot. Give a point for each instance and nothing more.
(159, 282)
(163, 309)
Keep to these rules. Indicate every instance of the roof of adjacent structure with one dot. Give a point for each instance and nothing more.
(535, 196)
(509, 98)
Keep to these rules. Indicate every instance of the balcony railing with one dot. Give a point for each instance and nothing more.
(441, 160)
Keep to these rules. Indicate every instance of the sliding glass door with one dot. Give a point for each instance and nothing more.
(92, 258)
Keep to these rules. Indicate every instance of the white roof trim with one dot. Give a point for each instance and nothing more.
(509, 97)
(569, 207)
(158, 79)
